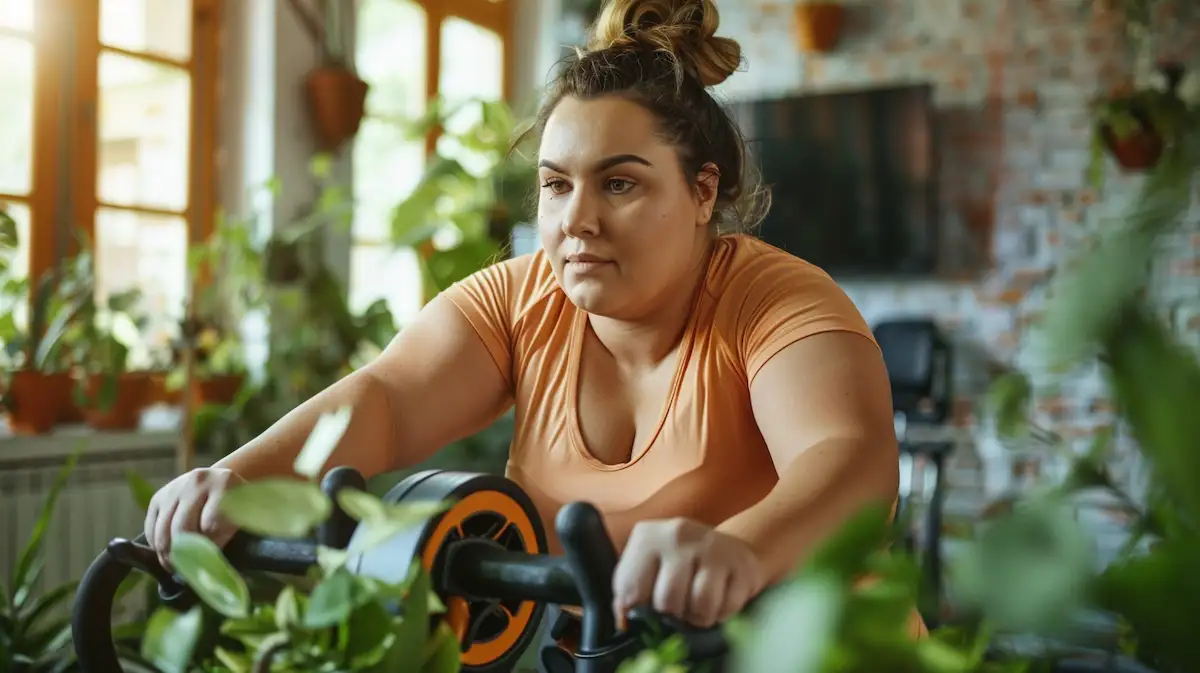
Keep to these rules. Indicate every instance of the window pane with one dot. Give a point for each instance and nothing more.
(472, 66)
(16, 14)
(386, 169)
(19, 258)
(148, 252)
(16, 115)
(144, 120)
(390, 55)
(381, 272)
(155, 26)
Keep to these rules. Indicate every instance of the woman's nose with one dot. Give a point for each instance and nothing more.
(581, 217)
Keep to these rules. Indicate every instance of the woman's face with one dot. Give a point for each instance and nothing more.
(623, 228)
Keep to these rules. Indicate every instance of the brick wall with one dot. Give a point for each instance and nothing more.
(1013, 80)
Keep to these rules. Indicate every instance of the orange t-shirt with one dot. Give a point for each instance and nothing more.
(707, 460)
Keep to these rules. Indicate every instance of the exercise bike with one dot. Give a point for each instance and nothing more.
(487, 559)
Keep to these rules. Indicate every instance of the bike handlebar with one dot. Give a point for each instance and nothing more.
(582, 576)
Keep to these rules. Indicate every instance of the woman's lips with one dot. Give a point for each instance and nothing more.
(584, 262)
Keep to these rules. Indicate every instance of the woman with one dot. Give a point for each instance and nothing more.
(722, 402)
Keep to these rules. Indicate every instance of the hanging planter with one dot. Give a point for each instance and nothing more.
(1135, 129)
(337, 97)
(819, 25)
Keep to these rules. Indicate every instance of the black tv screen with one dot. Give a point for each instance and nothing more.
(852, 176)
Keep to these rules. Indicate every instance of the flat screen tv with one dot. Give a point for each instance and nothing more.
(853, 176)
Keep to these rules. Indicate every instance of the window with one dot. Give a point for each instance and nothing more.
(107, 129)
(409, 51)
(16, 123)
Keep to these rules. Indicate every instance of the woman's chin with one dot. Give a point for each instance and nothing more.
(589, 296)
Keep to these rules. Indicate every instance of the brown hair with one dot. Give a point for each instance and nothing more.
(663, 55)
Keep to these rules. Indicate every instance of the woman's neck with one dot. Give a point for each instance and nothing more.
(645, 342)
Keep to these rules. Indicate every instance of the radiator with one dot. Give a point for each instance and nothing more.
(95, 506)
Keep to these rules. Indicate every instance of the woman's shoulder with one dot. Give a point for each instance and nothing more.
(516, 285)
(743, 263)
(762, 290)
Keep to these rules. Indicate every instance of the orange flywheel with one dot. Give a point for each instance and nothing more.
(490, 508)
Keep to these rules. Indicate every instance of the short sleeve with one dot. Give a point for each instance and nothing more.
(786, 301)
(486, 299)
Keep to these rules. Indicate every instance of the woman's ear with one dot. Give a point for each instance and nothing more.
(708, 181)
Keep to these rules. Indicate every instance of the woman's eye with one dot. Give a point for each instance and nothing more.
(619, 185)
(555, 185)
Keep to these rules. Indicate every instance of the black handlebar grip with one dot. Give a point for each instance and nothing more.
(339, 527)
(592, 557)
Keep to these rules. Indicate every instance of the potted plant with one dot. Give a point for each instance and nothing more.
(819, 24)
(476, 208)
(337, 96)
(228, 285)
(37, 386)
(331, 620)
(108, 390)
(1136, 127)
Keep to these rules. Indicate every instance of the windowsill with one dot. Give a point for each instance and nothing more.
(68, 439)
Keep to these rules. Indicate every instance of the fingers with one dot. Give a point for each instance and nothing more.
(633, 581)
(708, 596)
(739, 589)
(188, 504)
(674, 586)
(151, 520)
(162, 532)
(214, 526)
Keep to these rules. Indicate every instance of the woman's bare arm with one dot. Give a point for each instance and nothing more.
(434, 383)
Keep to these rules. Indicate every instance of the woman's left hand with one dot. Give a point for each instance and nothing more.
(687, 570)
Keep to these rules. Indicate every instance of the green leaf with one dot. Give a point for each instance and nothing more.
(392, 521)
(21, 579)
(236, 662)
(277, 507)
(846, 551)
(334, 599)
(361, 506)
(287, 609)
(370, 636)
(412, 630)
(938, 657)
(1157, 594)
(1029, 570)
(442, 652)
(322, 442)
(815, 601)
(321, 165)
(33, 612)
(142, 490)
(203, 566)
(1008, 398)
(8, 231)
(1156, 383)
(171, 638)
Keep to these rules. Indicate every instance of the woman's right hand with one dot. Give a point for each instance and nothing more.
(190, 503)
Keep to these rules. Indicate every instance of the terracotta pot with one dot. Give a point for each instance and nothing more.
(39, 401)
(221, 389)
(1137, 151)
(157, 392)
(338, 100)
(819, 25)
(126, 410)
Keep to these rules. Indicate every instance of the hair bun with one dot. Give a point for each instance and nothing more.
(685, 29)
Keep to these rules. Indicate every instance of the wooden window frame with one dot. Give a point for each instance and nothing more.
(64, 194)
(498, 16)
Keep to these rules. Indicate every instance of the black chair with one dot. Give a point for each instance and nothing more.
(919, 363)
